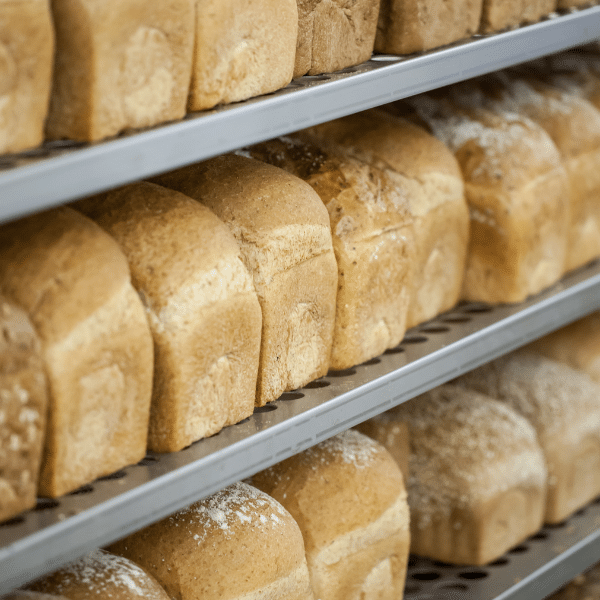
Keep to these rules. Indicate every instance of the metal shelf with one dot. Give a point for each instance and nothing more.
(62, 171)
(456, 342)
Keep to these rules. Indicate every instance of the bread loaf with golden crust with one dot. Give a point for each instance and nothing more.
(201, 305)
(563, 406)
(283, 231)
(119, 64)
(238, 544)
(503, 14)
(23, 405)
(373, 241)
(73, 281)
(349, 500)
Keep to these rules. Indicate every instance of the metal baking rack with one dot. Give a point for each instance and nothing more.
(61, 171)
(61, 530)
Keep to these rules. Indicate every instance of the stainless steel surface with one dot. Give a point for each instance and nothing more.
(62, 171)
(429, 355)
(531, 571)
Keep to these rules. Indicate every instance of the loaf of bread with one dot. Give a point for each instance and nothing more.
(23, 404)
(334, 34)
(26, 56)
(283, 231)
(242, 49)
(576, 345)
(503, 14)
(119, 64)
(73, 281)
(426, 172)
(518, 195)
(407, 26)
(573, 123)
(373, 241)
(584, 587)
(563, 405)
(201, 305)
(238, 544)
(477, 483)
(349, 500)
(100, 574)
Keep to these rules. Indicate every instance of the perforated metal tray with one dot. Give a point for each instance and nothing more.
(456, 342)
(62, 171)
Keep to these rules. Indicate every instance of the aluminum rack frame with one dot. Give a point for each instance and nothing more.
(61, 530)
(62, 171)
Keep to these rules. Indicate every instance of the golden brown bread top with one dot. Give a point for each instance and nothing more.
(176, 247)
(335, 487)
(362, 201)
(224, 546)
(100, 575)
(61, 267)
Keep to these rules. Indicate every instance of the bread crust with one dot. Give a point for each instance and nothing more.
(73, 281)
(119, 64)
(23, 404)
(201, 305)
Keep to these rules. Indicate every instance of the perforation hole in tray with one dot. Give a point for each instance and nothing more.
(148, 460)
(318, 383)
(415, 339)
(113, 476)
(459, 587)
(84, 489)
(373, 361)
(18, 520)
(46, 504)
(456, 319)
(521, 549)
(343, 373)
(287, 396)
(539, 536)
(500, 562)
(427, 576)
(440, 329)
(477, 308)
(396, 350)
(473, 575)
(265, 409)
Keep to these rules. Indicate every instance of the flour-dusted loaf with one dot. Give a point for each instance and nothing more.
(99, 574)
(372, 231)
(503, 14)
(477, 483)
(201, 305)
(26, 57)
(283, 231)
(573, 123)
(407, 26)
(238, 544)
(349, 500)
(73, 281)
(585, 586)
(119, 64)
(23, 404)
(518, 195)
(242, 49)
(576, 345)
(334, 34)
(427, 174)
(563, 405)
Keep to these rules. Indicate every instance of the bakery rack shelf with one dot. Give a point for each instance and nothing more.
(61, 171)
(61, 530)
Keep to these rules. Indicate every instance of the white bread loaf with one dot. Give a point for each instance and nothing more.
(23, 404)
(238, 544)
(426, 172)
(503, 14)
(573, 123)
(73, 281)
(563, 406)
(26, 57)
(477, 483)
(518, 196)
(576, 345)
(407, 26)
(99, 574)
(334, 34)
(242, 49)
(119, 64)
(283, 231)
(373, 241)
(201, 305)
(349, 500)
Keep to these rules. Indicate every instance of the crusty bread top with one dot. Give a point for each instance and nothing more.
(466, 448)
(335, 487)
(181, 254)
(101, 575)
(231, 543)
(498, 150)
(61, 267)
(362, 201)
